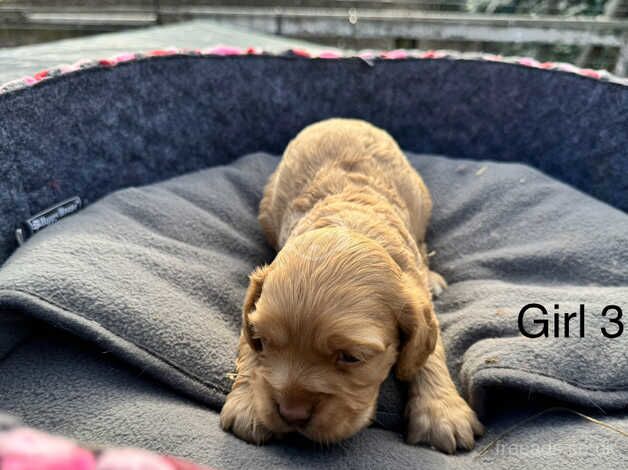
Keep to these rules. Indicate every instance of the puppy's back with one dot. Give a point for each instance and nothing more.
(339, 145)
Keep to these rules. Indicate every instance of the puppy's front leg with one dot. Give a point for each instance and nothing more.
(238, 413)
(436, 413)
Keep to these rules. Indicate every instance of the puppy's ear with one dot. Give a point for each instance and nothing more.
(419, 329)
(253, 293)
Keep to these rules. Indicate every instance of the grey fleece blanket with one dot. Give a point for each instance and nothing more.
(157, 274)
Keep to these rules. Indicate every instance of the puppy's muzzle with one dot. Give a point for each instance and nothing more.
(295, 414)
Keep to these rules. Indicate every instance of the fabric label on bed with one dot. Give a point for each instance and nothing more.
(157, 275)
(46, 218)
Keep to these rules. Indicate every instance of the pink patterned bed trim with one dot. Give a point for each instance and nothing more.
(368, 56)
(27, 449)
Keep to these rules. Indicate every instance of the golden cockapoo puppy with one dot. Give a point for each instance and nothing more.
(347, 298)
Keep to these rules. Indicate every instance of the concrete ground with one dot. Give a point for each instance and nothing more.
(26, 60)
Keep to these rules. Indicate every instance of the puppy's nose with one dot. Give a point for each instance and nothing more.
(295, 414)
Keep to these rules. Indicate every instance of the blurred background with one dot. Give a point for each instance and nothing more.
(589, 33)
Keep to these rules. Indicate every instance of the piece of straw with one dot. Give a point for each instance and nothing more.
(491, 444)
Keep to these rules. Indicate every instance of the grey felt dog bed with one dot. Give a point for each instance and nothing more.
(157, 275)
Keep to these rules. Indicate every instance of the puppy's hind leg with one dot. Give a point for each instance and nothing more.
(437, 282)
(437, 415)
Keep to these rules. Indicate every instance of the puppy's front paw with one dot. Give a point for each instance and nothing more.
(238, 416)
(447, 423)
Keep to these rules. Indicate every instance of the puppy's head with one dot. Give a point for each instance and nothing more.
(326, 322)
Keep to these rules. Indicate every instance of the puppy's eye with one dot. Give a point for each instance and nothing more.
(258, 344)
(347, 359)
